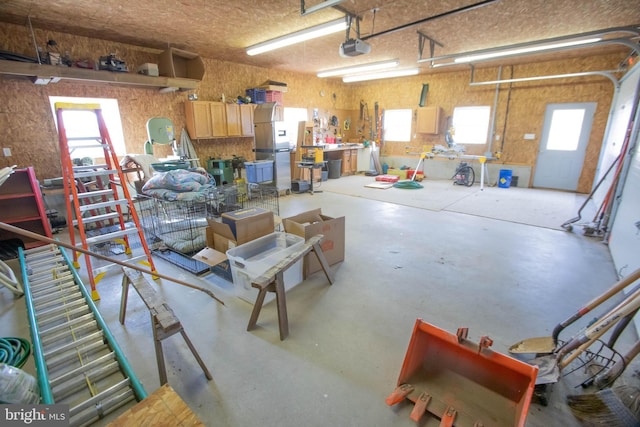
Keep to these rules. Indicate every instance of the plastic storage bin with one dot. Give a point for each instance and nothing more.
(258, 96)
(251, 259)
(259, 171)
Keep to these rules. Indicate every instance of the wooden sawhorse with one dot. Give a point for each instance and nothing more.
(163, 321)
(272, 280)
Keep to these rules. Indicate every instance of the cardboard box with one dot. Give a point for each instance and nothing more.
(310, 223)
(248, 226)
(244, 223)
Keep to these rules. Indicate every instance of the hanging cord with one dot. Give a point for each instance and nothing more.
(14, 351)
(506, 113)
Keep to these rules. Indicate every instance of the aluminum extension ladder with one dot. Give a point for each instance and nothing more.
(78, 361)
(105, 204)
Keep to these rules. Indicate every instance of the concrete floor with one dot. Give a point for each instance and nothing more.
(453, 264)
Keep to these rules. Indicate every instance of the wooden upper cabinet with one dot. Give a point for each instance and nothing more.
(234, 127)
(208, 119)
(246, 119)
(198, 117)
(428, 120)
(218, 119)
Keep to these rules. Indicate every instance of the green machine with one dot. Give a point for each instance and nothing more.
(221, 170)
(159, 131)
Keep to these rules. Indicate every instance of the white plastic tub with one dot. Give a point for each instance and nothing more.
(251, 259)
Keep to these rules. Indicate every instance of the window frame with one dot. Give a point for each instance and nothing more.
(469, 129)
(400, 120)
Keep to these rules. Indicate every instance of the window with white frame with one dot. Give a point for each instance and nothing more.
(397, 125)
(470, 124)
(81, 124)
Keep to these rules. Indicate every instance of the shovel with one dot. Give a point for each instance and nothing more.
(546, 345)
(550, 365)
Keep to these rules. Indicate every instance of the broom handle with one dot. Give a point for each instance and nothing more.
(595, 331)
(45, 239)
(617, 287)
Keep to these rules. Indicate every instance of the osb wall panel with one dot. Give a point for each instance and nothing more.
(525, 111)
(27, 122)
(28, 127)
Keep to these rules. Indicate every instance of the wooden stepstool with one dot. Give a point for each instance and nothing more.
(163, 321)
(272, 280)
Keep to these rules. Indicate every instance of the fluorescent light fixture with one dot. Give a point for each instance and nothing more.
(319, 6)
(382, 75)
(299, 36)
(383, 65)
(523, 50)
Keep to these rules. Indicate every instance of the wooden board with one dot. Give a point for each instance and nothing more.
(380, 185)
(162, 408)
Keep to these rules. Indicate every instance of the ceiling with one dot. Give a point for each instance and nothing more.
(223, 29)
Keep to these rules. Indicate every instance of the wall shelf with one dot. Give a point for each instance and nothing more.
(45, 74)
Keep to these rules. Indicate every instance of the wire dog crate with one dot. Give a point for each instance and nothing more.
(175, 229)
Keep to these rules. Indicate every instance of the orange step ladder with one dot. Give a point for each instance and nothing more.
(105, 203)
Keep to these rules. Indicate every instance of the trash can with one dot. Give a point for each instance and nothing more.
(504, 179)
(335, 168)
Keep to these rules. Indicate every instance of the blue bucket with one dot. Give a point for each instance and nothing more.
(504, 179)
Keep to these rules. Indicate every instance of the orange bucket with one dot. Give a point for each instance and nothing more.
(463, 383)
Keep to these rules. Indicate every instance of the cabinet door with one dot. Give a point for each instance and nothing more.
(234, 127)
(353, 164)
(346, 162)
(428, 120)
(198, 118)
(246, 119)
(218, 119)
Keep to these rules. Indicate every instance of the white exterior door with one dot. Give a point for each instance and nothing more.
(565, 136)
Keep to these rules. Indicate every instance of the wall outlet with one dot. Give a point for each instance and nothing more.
(6, 152)
(529, 136)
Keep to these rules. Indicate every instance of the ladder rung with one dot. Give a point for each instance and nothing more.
(100, 205)
(85, 369)
(61, 283)
(108, 401)
(107, 267)
(50, 248)
(90, 167)
(96, 193)
(57, 310)
(91, 348)
(94, 173)
(85, 138)
(64, 316)
(111, 236)
(51, 259)
(73, 345)
(47, 275)
(72, 335)
(41, 256)
(86, 318)
(53, 298)
(97, 218)
(79, 381)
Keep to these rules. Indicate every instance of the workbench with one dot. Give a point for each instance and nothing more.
(348, 153)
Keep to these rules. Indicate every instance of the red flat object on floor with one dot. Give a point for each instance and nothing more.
(388, 178)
